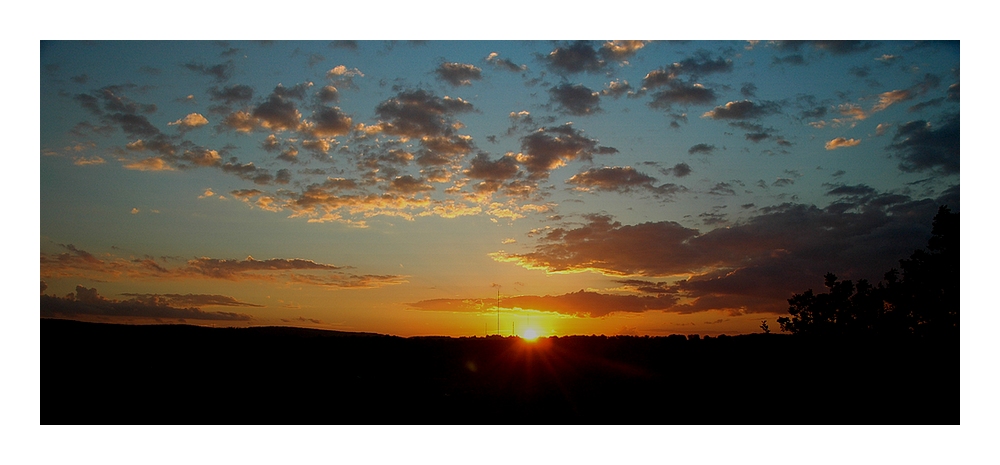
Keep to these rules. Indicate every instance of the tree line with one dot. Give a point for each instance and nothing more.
(918, 300)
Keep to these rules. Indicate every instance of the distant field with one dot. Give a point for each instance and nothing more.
(175, 374)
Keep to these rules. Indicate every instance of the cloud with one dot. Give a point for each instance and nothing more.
(683, 94)
(504, 63)
(81, 264)
(581, 303)
(744, 109)
(549, 148)
(753, 265)
(409, 185)
(87, 302)
(680, 170)
(328, 122)
(277, 113)
(418, 113)
(575, 58)
(841, 142)
(619, 179)
(618, 88)
(459, 74)
(192, 120)
(834, 47)
(343, 77)
(923, 146)
(239, 94)
(328, 94)
(149, 164)
(701, 148)
(220, 72)
(575, 99)
(621, 50)
(192, 300)
(722, 188)
(502, 169)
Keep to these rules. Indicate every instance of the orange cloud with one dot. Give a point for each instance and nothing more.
(841, 142)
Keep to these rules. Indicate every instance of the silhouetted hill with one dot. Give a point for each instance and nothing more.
(176, 374)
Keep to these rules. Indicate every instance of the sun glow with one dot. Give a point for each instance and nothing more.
(530, 335)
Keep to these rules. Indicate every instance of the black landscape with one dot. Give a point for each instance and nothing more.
(95, 373)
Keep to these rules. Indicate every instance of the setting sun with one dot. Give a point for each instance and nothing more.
(530, 335)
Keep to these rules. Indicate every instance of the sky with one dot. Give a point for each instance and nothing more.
(401, 187)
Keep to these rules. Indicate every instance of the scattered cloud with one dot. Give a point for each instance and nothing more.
(192, 120)
(418, 113)
(578, 57)
(87, 302)
(575, 99)
(551, 147)
(619, 179)
(841, 142)
(701, 148)
(744, 109)
(922, 146)
(459, 74)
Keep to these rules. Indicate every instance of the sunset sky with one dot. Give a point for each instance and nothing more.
(601, 187)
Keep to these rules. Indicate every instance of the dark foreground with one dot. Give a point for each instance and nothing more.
(175, 374)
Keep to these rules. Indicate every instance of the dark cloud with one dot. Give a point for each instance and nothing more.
(220, 72)
(575, 58)
(193, 300)
(409, 185)
(238, 94)
(680, 170)
(346, 44)
(953, 92)
(328, 94)
(551, 147)
(701, 148)
(744, 109)
(683, 94)
(794, 59)
(277, 113)
(612, 179)
(283, 176)
(575, 99)
(923, 146)
(87, 302)
(297, 91)
(134, 125)
(328, 122)
(748, 90)
(834, 47)
(459, 74)
(722, 188)
(752, 265)
(502, 169)
(925, 105)
(702, 65)
(843, 47)
(419, 113)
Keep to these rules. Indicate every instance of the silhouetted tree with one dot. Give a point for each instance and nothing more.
(923, 302)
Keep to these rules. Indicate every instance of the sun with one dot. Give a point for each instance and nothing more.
(529, 335)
